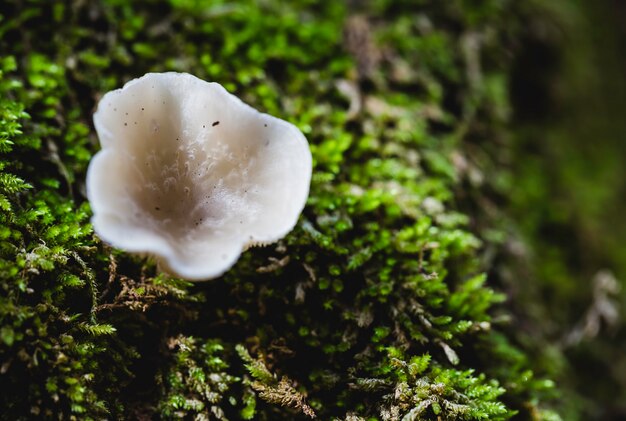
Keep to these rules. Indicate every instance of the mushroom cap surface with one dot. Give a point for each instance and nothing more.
(192, 175)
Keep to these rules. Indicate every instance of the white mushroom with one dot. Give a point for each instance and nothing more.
(191, 174)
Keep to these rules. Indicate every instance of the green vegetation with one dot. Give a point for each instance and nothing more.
(376, 306)
(569, 204)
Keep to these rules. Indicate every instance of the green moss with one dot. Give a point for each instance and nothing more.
(196, 382)
(375, 306)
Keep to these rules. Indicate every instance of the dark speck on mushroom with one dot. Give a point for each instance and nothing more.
(215, 123)
(203, 126)
(125, 124)
(265, 125)
(157, 208)
(142, 108)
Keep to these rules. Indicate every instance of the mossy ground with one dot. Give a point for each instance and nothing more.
(375, 307)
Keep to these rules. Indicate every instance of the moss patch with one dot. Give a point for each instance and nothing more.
(375, 307)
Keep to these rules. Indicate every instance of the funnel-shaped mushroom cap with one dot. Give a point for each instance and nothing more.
(191, 174)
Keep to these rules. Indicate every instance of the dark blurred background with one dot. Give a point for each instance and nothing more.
(569, 199)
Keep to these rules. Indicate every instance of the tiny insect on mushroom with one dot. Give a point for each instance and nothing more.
(192, 175)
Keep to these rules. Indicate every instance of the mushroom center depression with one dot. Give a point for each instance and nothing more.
(196, 187)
